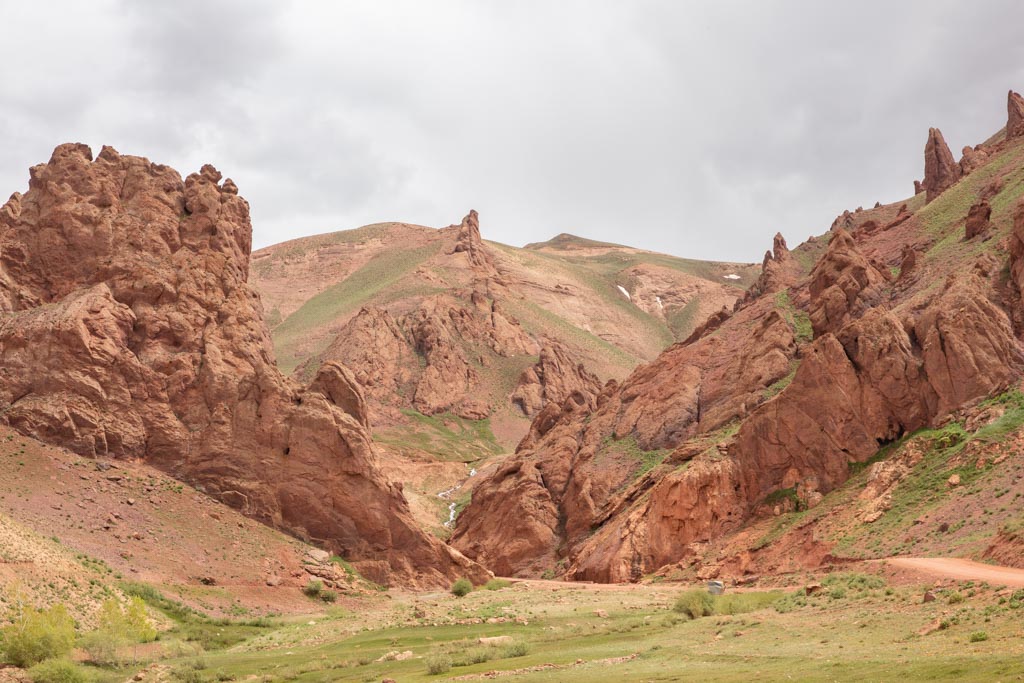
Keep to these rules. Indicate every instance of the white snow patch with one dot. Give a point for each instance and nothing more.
(658, 299)
(731, 276)
(623, 290)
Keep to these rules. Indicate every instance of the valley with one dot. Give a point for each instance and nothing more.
(409, 453)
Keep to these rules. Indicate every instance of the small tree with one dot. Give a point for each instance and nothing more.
(462, 588)
(118, 628)
(35, 635)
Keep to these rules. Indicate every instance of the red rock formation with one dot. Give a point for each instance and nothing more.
(972, 158)
(471, 244)
(1017, 248)
(577, 464)
(908, 261)
(940, 170)
(778, 271)
(131, 332)
(853, 391)
(421, 359)
(553, 379)
(978, 220)
(1014, 115)
(843, 284)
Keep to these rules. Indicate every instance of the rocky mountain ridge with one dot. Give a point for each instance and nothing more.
(907, 317)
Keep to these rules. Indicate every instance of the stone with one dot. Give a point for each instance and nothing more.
(1014, 115)
(940, 170)
(978, 220)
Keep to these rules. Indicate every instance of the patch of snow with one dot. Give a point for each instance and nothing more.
(731, 276)
(623, 290)
(658, 300)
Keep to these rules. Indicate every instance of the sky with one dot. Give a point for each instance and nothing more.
(694, 128)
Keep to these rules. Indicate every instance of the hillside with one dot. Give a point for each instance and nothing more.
(861, 401)
(458, 342)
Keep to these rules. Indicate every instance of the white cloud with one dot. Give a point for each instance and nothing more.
(699, 129)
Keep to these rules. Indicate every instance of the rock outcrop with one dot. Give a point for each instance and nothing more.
(471, 244)
(578, 458)
(978, 220)
(940, 170)
(877, 379)
(1014, 115)
(778, 270)
(554, 378)
(843, 284)
(129, 330)
(422, 359)
(972, 158)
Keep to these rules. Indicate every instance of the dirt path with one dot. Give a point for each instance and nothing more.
(963, 570)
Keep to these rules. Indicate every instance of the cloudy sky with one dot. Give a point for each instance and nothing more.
(695, 128)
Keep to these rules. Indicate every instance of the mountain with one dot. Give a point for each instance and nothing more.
(457, 343)
(861, 399)
(129, 330)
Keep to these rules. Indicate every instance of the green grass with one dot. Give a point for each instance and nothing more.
(191, 626)
(628, 447)
(776, 388)
(855, 629)
(445, 436)
(797, 319)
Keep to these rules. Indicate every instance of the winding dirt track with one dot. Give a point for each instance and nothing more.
(963, 570)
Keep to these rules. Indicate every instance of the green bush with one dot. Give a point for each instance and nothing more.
(36, 635)
(462, 588)
(119, 627)
(741, 603)
(439, 664)
(59, 671)
(313, 588)
(328, 596)
(517, 650)
(695, 603)
(979, 636)
(955, 598)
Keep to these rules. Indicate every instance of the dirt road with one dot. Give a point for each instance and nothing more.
(961, 570)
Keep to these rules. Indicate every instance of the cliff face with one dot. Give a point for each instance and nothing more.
(129, 330)
(905, 318)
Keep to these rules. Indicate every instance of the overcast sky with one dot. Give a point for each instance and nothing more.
(694, 128)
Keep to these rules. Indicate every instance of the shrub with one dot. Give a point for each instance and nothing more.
(439, 664)
(59, 671)
(328, 596)
(36, 635)
(695, 603)
(517, 650)
(955, 598)
(118, 628)
(979, 636)
(741, 603)
(462, 588)
(313, 588)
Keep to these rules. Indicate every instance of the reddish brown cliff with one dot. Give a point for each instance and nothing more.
(130, 331)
